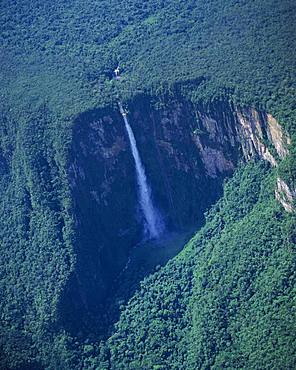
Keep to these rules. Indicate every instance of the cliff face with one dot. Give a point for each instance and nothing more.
(261, 135)
(285, 195)
(105, 212)
(187, 151)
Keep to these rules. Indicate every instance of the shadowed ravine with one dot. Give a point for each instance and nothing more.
(145, 258)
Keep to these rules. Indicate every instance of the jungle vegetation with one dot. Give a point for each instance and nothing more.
(228, 299)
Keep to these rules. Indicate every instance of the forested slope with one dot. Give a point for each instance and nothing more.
(36, 239)
(228, 300)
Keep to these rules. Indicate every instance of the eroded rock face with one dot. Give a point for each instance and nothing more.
(187, 151)
(251, 130)
(259, 132)
(213, 159)
(216, 141)
(285, 195)
(277, 136)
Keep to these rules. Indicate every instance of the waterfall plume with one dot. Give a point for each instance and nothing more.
(153, 222)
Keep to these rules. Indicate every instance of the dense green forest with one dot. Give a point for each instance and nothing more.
(227, 300)
(63, 52)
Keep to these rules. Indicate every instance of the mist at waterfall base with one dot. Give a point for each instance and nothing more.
(153, 222)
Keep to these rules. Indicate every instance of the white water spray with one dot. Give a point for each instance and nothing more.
(154, 225)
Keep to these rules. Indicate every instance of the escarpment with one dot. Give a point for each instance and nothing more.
(187, 149)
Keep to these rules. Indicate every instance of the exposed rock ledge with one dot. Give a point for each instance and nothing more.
(258, 134)
(257, 129)
(285, 195)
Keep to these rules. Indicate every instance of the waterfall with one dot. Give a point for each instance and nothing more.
(154, 225)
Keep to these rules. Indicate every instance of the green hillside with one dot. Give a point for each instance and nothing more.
(227, 300)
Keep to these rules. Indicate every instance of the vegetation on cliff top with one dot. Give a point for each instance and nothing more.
(228, 300)
(64, 52)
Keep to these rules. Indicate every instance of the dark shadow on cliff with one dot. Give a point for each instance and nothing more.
(186, 154)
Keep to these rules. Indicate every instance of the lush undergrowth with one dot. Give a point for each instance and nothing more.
(64, 52)
(35, 233)
(227, 300)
